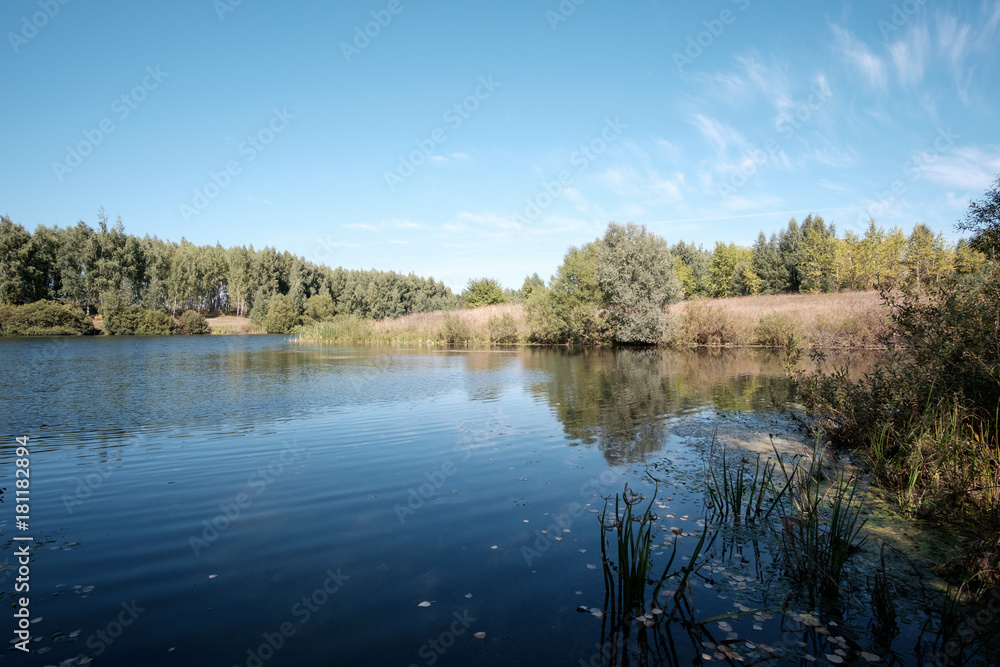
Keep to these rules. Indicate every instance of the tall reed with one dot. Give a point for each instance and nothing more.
(820, 526)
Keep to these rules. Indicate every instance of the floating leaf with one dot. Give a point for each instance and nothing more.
(834, 658)
(871, 657)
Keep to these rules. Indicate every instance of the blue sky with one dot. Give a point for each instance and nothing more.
(467, 139)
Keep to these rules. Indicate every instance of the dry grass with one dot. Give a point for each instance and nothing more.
(841, 319)
(228, 324)
(845, 320)
(505, 323)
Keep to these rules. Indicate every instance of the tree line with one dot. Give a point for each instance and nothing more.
(613, 289)
(106, 271)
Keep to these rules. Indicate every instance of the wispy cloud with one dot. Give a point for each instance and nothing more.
(966, 168)
(858, 55)
(910, 55)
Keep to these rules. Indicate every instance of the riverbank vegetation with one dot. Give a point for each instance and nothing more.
(618, 289)
(927, 419)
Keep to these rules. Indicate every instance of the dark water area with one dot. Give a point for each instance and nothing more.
(255, 501)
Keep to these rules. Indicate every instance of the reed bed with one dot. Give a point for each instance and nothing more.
(836, 320)
(503, 324)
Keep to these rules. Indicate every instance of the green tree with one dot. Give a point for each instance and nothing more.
(636, 276)
(818, 260)
(530, 284)
(320, 308)
(692, 265)
(765, 260)
(571, 310)
(790, 244)
(482, 292)
(282, 315)
(983, 220)
(731, 272)
(14, 266)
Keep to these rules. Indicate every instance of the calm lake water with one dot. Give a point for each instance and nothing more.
(255, 501)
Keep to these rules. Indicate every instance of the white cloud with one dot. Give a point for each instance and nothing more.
(857, 53)
(405, 224)
(968, 168)
(910, 54)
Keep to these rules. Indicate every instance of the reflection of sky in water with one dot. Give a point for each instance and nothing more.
(422, 475)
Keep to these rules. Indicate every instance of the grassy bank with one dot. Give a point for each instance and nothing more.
(926, 421)
(488, 325)
(227, 324)
(845, 320)
(837, 320)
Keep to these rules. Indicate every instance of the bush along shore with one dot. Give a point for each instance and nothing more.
(50, 318)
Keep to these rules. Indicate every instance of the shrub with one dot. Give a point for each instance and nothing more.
(776, 329)
(503, 329)
(707, 324)
(319, 308)
(44, 318)
(193, 322)
(926, 418)
(455, 329)
(482, 292)
(138, 322)
(282, 315)
(7, 311)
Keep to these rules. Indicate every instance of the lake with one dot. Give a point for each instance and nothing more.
(258, 501)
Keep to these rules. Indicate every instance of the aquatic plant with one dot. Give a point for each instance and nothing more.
(742, 494)
(627, 577)
(820, 524)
